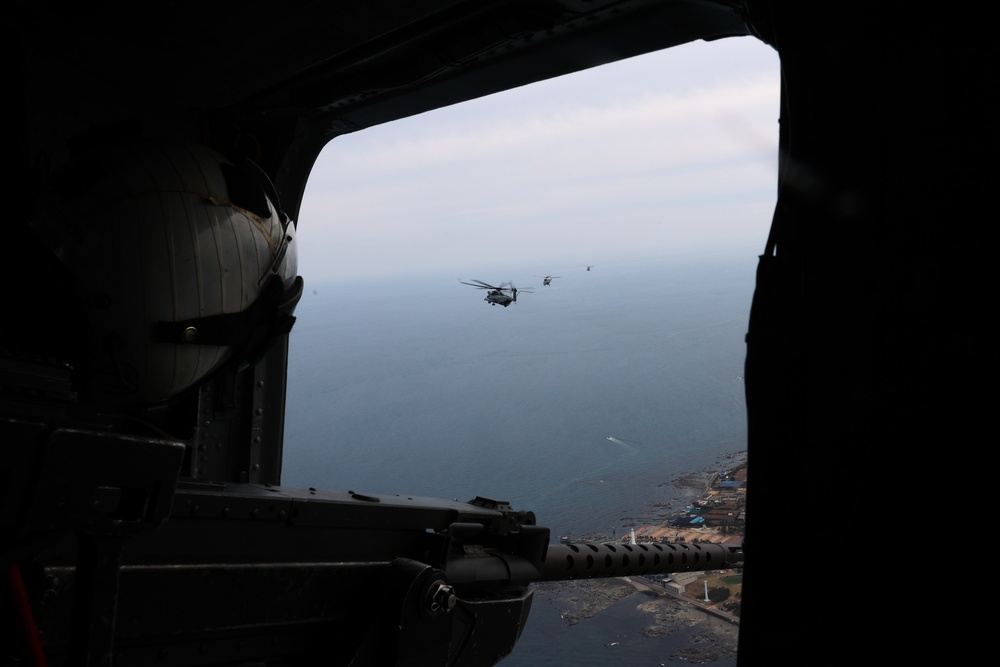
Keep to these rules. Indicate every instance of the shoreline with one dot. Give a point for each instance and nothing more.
(692, 488)
(580, 600)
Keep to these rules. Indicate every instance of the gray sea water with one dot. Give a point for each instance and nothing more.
(415, 385)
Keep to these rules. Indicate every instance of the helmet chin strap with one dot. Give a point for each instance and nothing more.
(251, 332)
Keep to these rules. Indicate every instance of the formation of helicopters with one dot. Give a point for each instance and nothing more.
(505, 293)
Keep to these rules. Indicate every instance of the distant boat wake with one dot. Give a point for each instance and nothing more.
(622, 443)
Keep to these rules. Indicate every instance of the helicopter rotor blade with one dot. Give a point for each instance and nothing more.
(478, 284)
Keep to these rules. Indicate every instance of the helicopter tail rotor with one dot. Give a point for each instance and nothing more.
(514, 291)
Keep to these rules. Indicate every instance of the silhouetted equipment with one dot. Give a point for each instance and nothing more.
(156, 531)
(503, 294)
(547, 280)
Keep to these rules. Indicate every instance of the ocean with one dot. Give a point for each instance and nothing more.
(581, 402)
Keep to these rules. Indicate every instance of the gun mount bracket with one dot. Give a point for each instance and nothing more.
(441, 597)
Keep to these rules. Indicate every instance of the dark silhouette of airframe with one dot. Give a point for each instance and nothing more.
(143, 515)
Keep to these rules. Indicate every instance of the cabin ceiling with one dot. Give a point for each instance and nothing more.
(326, 67)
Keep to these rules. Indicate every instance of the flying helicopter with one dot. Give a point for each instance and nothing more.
(503, 294)
(547, 280)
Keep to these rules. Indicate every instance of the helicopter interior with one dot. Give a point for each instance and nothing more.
(158, 532)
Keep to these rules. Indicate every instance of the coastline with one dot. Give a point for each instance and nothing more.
(668, 612)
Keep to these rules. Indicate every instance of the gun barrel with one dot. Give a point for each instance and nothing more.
(585, 560)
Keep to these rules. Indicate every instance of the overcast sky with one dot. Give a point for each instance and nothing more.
(669, 152)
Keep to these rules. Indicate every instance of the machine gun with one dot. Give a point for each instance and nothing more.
(116, 559)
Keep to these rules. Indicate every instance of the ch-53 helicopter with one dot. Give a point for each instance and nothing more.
(503, 294)
(547, 280)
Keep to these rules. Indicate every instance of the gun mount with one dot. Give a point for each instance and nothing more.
(116, 560)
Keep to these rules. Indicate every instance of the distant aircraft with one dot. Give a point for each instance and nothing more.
(504, 294)
(588, 268)
(547, 280)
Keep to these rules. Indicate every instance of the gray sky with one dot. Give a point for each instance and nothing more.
(669, 152)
